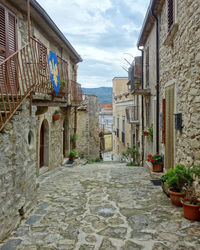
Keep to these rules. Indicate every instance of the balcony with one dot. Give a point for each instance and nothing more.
(26, 71)
(132, 114)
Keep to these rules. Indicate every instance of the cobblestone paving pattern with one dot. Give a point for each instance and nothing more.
(103, 206)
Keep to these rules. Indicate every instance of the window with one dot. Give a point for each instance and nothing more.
(117, 127)
(170, 14)
(123, 131)
(147, 66)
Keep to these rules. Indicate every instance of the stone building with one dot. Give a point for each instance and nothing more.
(31, 142)
(123, 130)
(105, 117)
(169, 40)
(88, 144)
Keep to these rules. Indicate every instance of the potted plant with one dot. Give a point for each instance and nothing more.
(72, 155)
(145, 133)
(191, 202)
(101, 134)
(137, 85)
(150, 133)
(156, 161)
(163, 185)
(57, 114)
(178, 179)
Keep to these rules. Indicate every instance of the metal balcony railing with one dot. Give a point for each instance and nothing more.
(27, 71)
(132, 114)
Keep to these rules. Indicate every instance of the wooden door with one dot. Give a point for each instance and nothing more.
(8, 46)
(42, 145)
(169, 127)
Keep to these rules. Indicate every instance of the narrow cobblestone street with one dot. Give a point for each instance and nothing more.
(103, 206)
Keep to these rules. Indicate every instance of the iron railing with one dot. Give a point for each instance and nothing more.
(27, 71)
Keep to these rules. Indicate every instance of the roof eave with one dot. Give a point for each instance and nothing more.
(54, 27)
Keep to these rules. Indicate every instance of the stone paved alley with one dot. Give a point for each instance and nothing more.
(103, 206)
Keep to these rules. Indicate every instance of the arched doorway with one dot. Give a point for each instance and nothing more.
(44, 144)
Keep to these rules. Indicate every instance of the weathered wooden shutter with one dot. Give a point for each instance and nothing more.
(170, 13)
(42, 59)
(2, 46)
(163, 121)
(169, 137)
(8, 45)
(147, 66)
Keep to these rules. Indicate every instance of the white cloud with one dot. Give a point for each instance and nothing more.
(100, 31)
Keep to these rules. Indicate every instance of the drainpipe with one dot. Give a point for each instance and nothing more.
(142, 106)
(157, 82)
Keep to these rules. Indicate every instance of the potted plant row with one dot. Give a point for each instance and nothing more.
(156, 161)
(182, 191)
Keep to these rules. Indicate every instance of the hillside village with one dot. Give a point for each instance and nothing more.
(87, 170)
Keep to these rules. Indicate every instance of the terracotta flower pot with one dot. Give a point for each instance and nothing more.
(157, 167)
(56, 117)
(191, 212)
(136, 86)
(145, 133)
(175, 197)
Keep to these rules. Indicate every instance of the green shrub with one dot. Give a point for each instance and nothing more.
(178, 178)
(73, 153)
(132, 164)
(131, 153)
(73, 137)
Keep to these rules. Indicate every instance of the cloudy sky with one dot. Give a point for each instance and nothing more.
(103, 32)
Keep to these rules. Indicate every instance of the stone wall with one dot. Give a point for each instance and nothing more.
(180, 65)
(18, 181)
(88, 128)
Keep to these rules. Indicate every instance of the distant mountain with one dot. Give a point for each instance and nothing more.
(104, 94)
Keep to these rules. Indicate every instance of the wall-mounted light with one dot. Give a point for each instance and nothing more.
(178, 121)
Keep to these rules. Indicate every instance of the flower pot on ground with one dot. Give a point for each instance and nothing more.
(177, 180)
(57, 115)
(72, 155)
(156, 161)
(191, 211)
(191, 202)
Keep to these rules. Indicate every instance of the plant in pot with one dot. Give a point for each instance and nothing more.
(163, 185)
(178, 179)
(57, 114)
(156, 161)
(150, 133)
(72, 155)
(145, 133)
(137, 85)
(191, 201)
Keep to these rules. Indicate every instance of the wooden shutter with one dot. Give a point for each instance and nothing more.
(163, 121)
(42, 59)
(2, 46)
(170, 13)
(147, 66)
(8, 46)
(169, 138)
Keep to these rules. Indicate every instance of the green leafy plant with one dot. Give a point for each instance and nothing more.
(178, 178)
(63, 83)
(73, 153)
(137, 82)
(129, 164)
(57, 111)
(131, 153)
(73, 137)
(150, 133)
